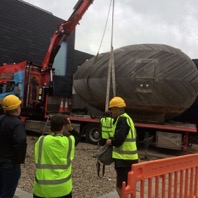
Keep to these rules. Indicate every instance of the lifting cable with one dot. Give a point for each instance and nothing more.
(95, 60)
(104, 28)
(111, 67)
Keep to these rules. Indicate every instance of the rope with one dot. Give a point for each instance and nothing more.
(111, 65)
(96, 57)
(105, 27)
(46, 123)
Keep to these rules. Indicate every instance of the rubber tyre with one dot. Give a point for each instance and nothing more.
(92, 133)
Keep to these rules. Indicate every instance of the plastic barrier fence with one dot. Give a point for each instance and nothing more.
(175, 177)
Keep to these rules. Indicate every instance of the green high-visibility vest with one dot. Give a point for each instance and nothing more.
(53, 157)
(107, 127)
(128, 150)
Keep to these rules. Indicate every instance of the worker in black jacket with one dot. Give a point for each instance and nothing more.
(12, 146)
(124, 141)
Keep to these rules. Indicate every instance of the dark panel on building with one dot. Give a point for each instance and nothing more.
(26, 31)
(80, 58)
(63, 86)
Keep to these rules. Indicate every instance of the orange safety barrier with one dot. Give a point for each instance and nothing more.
(175, 177)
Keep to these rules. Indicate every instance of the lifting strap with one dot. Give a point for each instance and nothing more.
(111, 67)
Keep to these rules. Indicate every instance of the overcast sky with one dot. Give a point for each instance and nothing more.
(171, 22)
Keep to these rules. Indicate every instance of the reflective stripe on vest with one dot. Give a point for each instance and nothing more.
(107, 127)
(53, 173)
(51, 166)
(128, 150)
(53, 182)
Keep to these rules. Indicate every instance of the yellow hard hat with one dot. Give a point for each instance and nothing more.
(10, 102)
(117, 102)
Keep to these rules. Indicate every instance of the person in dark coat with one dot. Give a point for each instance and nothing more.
(124, 141)
(12, 146)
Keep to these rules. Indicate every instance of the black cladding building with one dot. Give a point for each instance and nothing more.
(25, 35)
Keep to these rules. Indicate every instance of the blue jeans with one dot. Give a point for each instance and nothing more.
(9, 177)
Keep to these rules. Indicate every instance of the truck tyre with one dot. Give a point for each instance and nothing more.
(92, 133)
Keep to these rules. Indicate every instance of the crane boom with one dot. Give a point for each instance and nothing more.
(63, 32)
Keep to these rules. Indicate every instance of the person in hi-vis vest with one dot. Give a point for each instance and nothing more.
(106, 127)
(124, 141)
(53, 158)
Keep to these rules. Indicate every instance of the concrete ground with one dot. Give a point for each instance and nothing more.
(113, 194)
(22, 194)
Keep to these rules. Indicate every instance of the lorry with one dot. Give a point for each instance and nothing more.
(39, 100)
(36, 82)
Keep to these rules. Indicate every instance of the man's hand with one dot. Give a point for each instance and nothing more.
(68, 125)
(108, 141)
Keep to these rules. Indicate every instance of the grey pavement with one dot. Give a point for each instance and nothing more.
(113, 194)
(23, 194)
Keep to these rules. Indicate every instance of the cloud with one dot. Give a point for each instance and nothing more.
(169, 22)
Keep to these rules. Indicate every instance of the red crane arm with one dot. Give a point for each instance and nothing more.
(64, 31)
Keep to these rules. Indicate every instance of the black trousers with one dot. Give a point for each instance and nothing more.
(9, 177)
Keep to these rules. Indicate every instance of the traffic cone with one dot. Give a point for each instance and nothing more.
(66, 106)
(61, 109)
(70, 105)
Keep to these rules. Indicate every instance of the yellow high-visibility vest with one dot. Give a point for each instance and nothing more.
(107, 127)
(53, 158)
(128, 150)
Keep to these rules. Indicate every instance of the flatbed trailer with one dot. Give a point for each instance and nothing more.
(172, 135)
